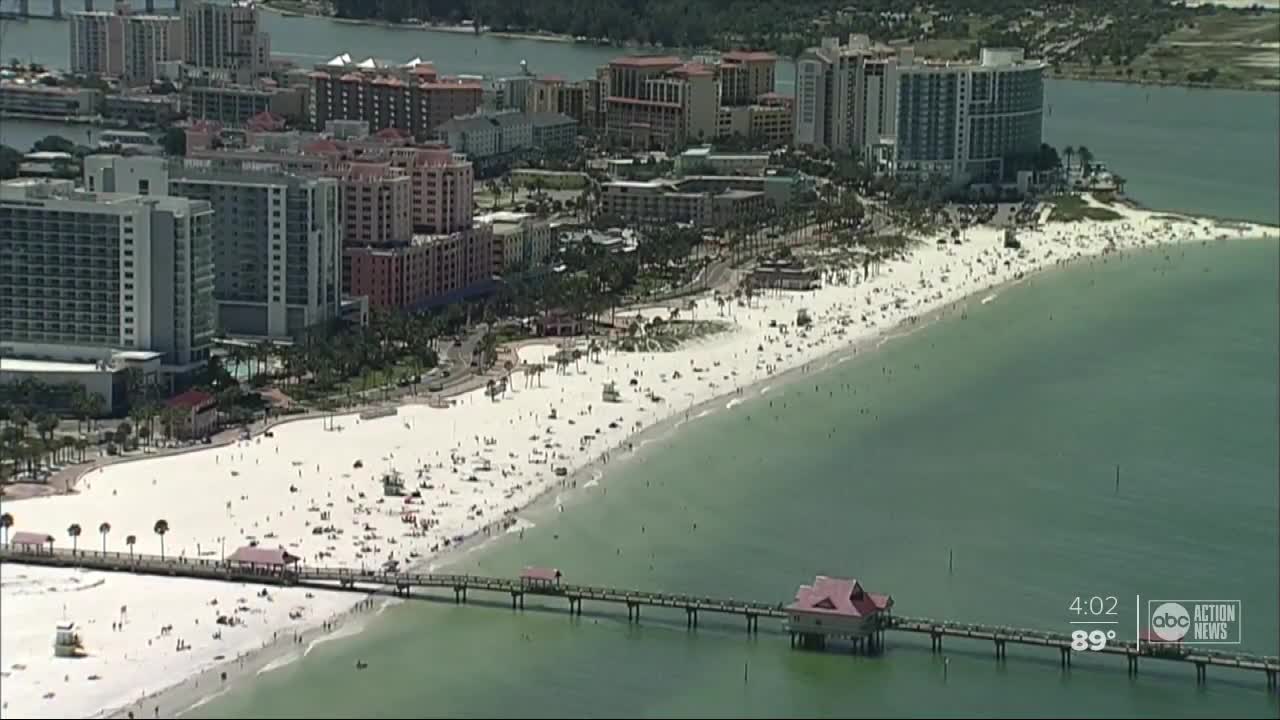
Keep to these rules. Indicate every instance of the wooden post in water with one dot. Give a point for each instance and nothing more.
(1117, 479)
(951, 560)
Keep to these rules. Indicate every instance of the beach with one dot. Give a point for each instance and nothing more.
(474, 465)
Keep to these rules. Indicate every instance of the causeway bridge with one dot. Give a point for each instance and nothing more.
(57, 11)
(405, 584)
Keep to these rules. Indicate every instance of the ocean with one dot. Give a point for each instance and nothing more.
(968, 469)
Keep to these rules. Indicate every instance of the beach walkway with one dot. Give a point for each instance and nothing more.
(404, 584)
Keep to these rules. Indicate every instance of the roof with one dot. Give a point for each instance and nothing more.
(265, 120)
(49, 366)
(649, 61)
(391, 134)
(322, 145)
(263, 556)
(549, 119)
(839, 596)
(374, 170)
(750, 56)
(695, 68)
(540, 573)
(30, 538)
(190, 399)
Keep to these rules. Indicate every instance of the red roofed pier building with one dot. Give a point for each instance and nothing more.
(839, 608)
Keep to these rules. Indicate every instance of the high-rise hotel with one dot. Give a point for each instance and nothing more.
(957, 120)
(85, 274)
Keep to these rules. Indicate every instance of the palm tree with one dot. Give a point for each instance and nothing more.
(74, 532)
(103, 529)
(130, 540)
(162, 527)
(1068, 152)
(6, 522)
(97, 406)
(1086, 159)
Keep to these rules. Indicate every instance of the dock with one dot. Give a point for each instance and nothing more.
(406, 584)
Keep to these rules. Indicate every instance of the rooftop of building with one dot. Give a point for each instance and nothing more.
(839, 596)
(503, 216)
(749, 56)
(550, 119)
(695, 68)
(647, 61)
(49, 366)
(27, 189)
(706, 152)
(23, 85)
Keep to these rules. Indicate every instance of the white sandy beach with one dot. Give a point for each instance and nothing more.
(474, 464)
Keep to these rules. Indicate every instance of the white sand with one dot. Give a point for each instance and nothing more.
(244, 491)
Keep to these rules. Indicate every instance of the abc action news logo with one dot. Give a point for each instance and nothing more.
(1194, 622)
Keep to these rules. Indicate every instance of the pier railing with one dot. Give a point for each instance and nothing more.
(403, 583)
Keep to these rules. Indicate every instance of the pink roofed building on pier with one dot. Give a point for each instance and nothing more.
(837, 607)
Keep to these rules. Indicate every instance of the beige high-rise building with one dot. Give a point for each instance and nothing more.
(846, 94)
(661, 101)
(123, 45)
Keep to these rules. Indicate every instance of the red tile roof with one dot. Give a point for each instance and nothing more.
(749, 56)
(838, 596)
(540, 573)
(693, 68)
(322, 146)
(263, 556)
(647, 61)
(391, 134)
(265, 120)
(30, 538)
(190, 399)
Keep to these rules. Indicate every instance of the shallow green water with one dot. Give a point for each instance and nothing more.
(1001, 447)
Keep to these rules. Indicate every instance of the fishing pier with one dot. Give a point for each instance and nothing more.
(829, 609)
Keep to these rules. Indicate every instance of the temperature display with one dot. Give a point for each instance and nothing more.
(1091, 639)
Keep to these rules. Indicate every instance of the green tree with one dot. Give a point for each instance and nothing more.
(74, 532)
(174, 142)
(103, 529)
(10, 159)
(123, 431)
(54, 143)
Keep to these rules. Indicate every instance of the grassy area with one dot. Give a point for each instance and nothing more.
(288, 5)
(1227, 50)
(668, 336)
(551, 179)
(1069, 208)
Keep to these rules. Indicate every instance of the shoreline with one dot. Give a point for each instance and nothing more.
(573, 486)
(673, 414)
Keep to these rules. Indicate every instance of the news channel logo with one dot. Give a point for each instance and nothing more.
(1194, 622)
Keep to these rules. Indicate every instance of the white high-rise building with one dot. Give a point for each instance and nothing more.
(277, 237)
(85, 273)
(966, 120)
(123, 45)
(957, 120)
